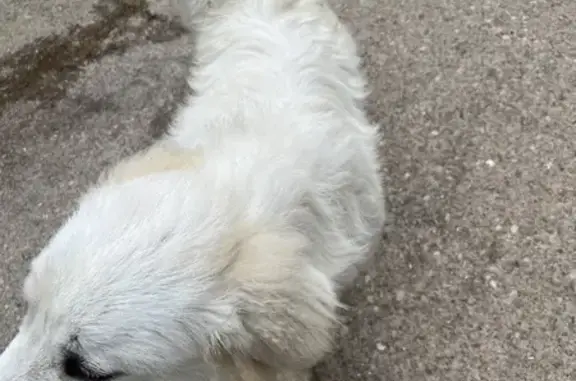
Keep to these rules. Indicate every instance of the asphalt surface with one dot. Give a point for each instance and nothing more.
(476, 279)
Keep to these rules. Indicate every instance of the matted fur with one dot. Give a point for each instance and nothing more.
(217, 253)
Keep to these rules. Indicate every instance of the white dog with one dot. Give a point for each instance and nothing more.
(217, 254)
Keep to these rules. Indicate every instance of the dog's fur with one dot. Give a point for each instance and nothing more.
(217, 254)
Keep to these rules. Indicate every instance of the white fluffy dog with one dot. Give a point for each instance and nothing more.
(217, 254)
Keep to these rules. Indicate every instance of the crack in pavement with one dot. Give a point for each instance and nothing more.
(40, 69)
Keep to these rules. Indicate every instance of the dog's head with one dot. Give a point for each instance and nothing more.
(151, 275)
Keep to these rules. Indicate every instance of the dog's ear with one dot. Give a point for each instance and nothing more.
(287, 309)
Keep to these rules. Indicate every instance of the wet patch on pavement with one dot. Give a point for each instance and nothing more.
(41, 69)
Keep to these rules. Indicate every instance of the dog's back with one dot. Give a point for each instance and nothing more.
(277, 117)
(276, 128)
(278, 104)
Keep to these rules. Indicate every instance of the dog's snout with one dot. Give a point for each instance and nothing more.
(22, 361)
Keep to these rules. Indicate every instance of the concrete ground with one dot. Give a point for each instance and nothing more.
(476, 279)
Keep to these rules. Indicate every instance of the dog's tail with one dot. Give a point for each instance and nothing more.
(192, 11)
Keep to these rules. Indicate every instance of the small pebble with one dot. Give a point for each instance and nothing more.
(512, 297)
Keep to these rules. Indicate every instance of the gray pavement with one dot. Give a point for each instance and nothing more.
(476, 279)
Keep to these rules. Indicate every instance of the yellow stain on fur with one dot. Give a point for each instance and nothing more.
(160, 157)
(240, 368)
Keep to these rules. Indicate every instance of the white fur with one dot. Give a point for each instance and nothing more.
(220, 248)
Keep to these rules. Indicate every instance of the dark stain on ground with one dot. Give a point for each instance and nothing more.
(40, 69)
